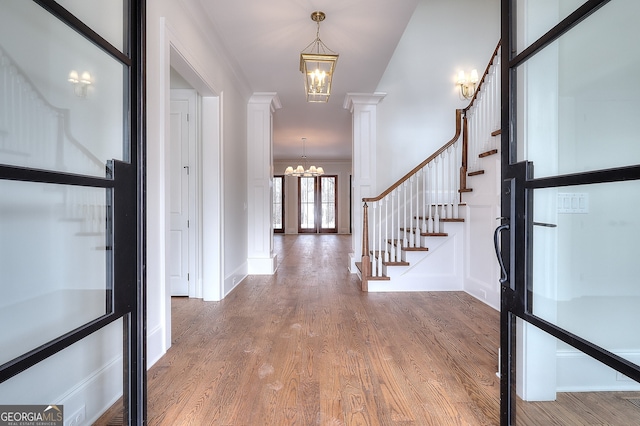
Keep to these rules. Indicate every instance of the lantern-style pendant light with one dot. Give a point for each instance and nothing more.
(317, 65)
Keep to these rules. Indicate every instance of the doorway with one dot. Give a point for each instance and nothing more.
(182, 201)
(569, 292)
(205, 230)
(317, 204)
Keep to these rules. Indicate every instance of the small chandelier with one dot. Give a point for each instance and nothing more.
(302, 171)
(317, 65)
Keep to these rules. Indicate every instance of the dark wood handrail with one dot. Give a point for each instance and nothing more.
(425, 162)
(459, 113)
(486, 72)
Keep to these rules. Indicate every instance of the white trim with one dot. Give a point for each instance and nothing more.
(209, 181)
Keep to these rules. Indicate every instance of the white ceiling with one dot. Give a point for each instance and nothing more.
(265, 37)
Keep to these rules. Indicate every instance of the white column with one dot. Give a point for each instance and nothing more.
(260, 257)
(363, 107)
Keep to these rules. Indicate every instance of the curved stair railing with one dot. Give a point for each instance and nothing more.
(417, 204)
(33, 132)
(36, 134)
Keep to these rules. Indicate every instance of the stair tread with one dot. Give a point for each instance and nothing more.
(415, 248)
(476, 173)
(434, 234)
(397, 242)
(423, 218)
(488, 153)
(379, 278)
(452, 220)
(396, 263)
(496, 132)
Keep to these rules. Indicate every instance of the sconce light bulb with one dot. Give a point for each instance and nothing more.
(73, 76)
(474, 76)
(86, 78)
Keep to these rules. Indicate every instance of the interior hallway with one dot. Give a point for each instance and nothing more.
(305, 346)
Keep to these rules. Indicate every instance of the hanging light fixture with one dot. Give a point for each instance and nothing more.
(317, 65)
(302, 171)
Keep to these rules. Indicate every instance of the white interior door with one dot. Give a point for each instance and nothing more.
(178, 250)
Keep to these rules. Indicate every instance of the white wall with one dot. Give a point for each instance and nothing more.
(189, 34)
(340, 168)
(418, 114)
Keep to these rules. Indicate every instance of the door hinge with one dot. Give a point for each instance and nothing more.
(187, 117)
(187, 223)
(187, 276)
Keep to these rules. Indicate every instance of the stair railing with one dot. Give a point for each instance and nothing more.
(33, 132)
(416, 204)
(482, 116)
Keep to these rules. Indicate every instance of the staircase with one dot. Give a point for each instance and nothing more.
(419, 233)
(33, 132)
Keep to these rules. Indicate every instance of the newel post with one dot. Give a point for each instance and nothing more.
(366, 259)
(465, 153)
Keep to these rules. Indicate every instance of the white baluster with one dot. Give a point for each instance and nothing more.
(399, 224)
(457, 160)
(386, 229)
(418, 217)
(425, 194)
(443, 208)
(436, 216)
(393, 225)
(404, 216)
(431, 197)
(451, 172)
(412, 242)
(380, 242)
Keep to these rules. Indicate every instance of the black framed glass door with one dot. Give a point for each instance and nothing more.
(72, 224)
(571, 185)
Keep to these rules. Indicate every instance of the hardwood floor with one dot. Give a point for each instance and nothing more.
(305, 346)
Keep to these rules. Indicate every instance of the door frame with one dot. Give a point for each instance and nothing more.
(210, 233)
(125, 183)
(515, 243)
(317, 183)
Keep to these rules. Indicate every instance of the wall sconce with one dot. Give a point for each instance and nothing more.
(80, 83)
(467, 85)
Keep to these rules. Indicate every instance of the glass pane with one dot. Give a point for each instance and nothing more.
(585, 276)
(81, 379)
(48, 121)
(559, 385)
(536, 18)
(54, 260)
(104, 17)
(277, 202)
(307, 203)
(328, 195)
(579, 101)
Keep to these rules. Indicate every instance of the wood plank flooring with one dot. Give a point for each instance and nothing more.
(306, 347)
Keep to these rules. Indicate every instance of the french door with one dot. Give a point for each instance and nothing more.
(278, 203)
(317, 204)
(570, 199)
(72, 309)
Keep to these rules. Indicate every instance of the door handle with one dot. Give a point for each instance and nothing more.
(496, 243)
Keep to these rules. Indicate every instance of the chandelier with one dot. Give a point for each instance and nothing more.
(317, 65)
(302, 171)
